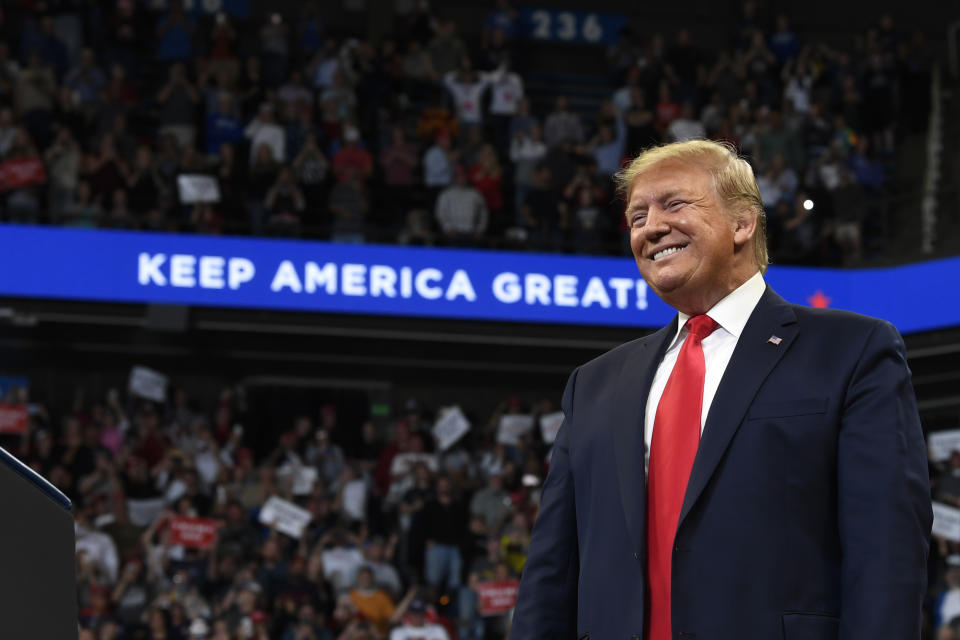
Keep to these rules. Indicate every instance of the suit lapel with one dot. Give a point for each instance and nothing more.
(752, 361)
(633, 387)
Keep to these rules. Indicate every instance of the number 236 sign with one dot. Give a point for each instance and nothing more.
(589, 27)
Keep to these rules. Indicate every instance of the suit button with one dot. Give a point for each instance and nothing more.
(636, 556)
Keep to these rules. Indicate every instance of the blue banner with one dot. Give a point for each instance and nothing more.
(586, 27)
(124, 266)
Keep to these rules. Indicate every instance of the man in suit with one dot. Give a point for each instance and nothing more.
(785, 494)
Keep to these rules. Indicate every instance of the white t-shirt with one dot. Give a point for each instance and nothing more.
(426, 632)
(466, 96)
(506, 91)
(270, 134)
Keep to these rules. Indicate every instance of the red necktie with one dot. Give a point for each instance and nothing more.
(676, 436)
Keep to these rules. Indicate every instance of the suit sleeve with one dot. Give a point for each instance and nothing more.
(547, 603)
(883, 496)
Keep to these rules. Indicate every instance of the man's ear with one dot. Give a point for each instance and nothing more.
(745, 227)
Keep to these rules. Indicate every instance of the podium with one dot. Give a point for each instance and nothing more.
(38, 597)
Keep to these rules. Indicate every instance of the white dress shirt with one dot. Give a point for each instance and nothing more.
(731, 313)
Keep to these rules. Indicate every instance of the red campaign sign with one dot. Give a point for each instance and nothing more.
(21, 172)
(14, 418)
(199, 533)
(497, 597)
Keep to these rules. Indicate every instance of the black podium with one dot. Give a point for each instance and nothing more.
(37, 558)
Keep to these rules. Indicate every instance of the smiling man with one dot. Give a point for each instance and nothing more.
(755, 470)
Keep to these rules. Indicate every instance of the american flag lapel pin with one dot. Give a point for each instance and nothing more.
(775, 340)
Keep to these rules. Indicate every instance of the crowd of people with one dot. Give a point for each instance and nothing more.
(407, 533)
(404, 530)
(429, 136)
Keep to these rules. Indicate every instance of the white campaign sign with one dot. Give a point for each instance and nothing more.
(286, 516)
(450, 427)
(302, 478)
(942, 444)
(512, 427)
(148, 384)
(946, 521)
(143, 511)
(194, 188)
(550, 425)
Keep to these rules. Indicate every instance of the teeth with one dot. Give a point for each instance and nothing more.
(666, 252)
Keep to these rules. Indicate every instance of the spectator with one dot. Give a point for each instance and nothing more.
(467, 89)
(783, 41)
(174, 35)
(417, 627)
(262, 175)
(338, 104)
(143, 182)
(444, 524)
(667, 109)
(84, 212)
(447, 50)
(418, 70)
(51, 46)
(372, 603)
(496, 49)
(63, 168)
(848, 207)
(274, 50)
(86, 80)
(349, 204)
(399, 161)
(263, 131)
(178, 103)
(948, 600)
(438, 163)
(639, 121)
(776, 139)
(416, 229)
(285, 203)
(323, 66)
(311, 166)
(294, 96)
(252, 89)
(491, 503)
(562, 125)
(223, 57)
(778, 182)
(352, 160)
(684, 66)
(686, 126)
(522, 121)
(487, 178)
(526, 151)
(461, 211)
(504, 19)
(506, 92)
(586, 223)
(223, 125)
(36, 89)
(544, 215)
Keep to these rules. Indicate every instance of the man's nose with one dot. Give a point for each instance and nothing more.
(656, 225)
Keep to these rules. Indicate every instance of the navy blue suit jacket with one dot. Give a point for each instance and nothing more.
(807, 512)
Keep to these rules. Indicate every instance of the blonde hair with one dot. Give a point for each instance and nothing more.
(733, 181)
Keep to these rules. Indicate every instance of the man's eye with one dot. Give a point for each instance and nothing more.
(638, 220)
(673, 204)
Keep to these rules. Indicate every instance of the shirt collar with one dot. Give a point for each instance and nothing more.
(733, 311)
